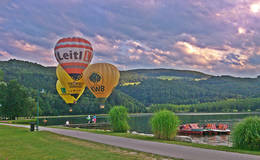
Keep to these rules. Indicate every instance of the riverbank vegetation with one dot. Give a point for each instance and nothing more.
(165, 124)
(118, 118)
(246, 134)
(228, 105)
(19, 143)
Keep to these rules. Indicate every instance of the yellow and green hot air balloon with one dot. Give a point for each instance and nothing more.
(101, 79)
(64, 95)
(73, 87)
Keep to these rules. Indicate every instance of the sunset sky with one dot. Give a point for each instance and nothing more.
(219, 37)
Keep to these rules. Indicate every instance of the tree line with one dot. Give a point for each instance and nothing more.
(228, 105)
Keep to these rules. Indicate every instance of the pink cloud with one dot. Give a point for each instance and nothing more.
(21, 44)
(5, 55)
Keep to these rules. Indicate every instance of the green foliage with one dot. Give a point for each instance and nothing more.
(229, 105)
(24, 121)
(118, 117)
(165, 124)
(246, 134)
(189, 92)
(15, 100)
(1, 75)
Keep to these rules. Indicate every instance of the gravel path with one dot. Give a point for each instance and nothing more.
(170, 150)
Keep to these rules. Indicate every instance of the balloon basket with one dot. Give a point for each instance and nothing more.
(102, 106)
(101, 102)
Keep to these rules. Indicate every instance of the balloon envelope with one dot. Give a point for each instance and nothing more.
(64, 95)
(73, 87)
(101, 78)
(74, 55)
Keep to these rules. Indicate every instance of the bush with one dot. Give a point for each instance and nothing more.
(246, 134)
(25, 121)
(165, 124)
(118, 118)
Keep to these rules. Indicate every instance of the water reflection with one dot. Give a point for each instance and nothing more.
(224, 140)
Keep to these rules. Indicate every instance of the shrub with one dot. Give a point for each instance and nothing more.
(25, 121)
(118, 118)
(246, 134)
(165, 124)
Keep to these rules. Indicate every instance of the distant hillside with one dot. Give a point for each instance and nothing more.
(167, 72)
(170, 74)
(147, 86)
(34, 77)
(29, 74)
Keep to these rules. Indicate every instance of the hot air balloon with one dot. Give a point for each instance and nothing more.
(68, 98)
(101, 79)
(73, 87)
(64, 95)
(74, 55)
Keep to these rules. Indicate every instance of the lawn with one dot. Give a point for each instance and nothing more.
(21, 144)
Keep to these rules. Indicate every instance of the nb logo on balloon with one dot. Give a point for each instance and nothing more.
(98, 89)
(96, 78)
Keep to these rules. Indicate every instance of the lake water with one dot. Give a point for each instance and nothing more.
(141, 123)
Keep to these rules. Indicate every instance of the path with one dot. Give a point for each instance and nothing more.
(170, 150)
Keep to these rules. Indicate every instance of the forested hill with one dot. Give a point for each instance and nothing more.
(144, 87)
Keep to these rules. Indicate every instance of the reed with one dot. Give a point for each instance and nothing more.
(246, 134)
(165, 124)
(118, 118)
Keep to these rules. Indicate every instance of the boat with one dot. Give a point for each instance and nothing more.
(208, 129)
(213, 129)
(192, 128)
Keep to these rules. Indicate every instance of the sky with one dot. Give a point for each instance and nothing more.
(220, 37)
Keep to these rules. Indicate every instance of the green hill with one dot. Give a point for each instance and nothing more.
(138, 89)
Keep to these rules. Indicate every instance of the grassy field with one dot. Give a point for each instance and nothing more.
(131, 83)
(149, 138)
(20, 144)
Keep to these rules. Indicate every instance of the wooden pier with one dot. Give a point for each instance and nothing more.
(90, 125)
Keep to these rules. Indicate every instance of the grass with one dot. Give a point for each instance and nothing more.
(131, 83)
(169, 78)
(23, 121)
(19, 144)
(149, 138)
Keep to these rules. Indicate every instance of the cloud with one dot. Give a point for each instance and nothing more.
(24, 46)
(5, 55)
(216, 37)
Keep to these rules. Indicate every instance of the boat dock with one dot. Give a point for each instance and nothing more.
(90, 125)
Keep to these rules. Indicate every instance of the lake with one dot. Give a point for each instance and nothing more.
(141, 123)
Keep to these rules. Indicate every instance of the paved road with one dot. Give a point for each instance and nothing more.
(170, 150)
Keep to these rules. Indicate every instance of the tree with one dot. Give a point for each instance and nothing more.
(1, 75)
(165, 124)
(118, 117)
(3, 87)
(246, 134)
(15, 100)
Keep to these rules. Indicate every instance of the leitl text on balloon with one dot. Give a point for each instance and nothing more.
(73, 56)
